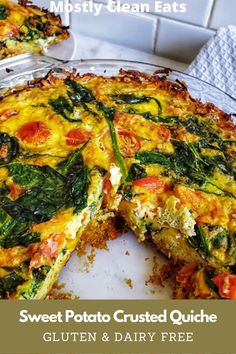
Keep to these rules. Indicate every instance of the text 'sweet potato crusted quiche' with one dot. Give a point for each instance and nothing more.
(25, 28)
(77, 150)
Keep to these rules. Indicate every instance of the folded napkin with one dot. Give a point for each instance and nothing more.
(216, 62)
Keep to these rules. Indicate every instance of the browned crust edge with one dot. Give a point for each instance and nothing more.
(178, 89)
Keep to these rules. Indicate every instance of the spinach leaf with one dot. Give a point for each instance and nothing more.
(24, 239)
(79, 183)
(185, 158)
(199, 242)
(204, 130)
(166, 120)
(39, 275)
(62, 106)
(77, 176)
(169, 120)
(9, 148)
(209, 274)
(146, 157)
(218, 161)
(136, 172)
(132, 99)
(9, 283)
(232, 242)
(80, 96)
(44, 195)
(109, 114)
(187, 162)
(146, 115)
(15, 232)
(220, 240)
(193, 126)
(126, 190)
(3, 12)
(72, 160)
(80, 93)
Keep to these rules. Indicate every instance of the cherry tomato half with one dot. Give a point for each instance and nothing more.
(129, 143)
(163, 133)
(34, 132)
(77, 137)
(226, 283)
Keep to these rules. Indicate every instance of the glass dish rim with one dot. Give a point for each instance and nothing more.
(118, 62)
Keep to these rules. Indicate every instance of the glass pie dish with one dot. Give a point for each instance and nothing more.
(130, 263)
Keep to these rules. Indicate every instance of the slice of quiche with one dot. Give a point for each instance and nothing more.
(25, 28)
(81, 147)
(49, 190)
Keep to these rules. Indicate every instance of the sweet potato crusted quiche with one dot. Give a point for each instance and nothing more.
(25, 28)
(77, 150)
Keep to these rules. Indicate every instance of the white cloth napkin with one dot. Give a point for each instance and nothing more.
(216, 62)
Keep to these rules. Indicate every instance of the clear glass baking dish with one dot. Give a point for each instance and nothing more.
(98, 281)
(20, 69)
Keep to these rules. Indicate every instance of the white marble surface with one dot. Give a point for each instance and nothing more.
(91, 48)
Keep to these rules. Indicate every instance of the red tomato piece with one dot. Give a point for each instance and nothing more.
(130, 143)
(153, 183)
(48, 250)
(15, 190)
(34, 132)
(14, 32)
(7, 113)
(163, 133)
(107, 186)
(77, 137)
(226, 283)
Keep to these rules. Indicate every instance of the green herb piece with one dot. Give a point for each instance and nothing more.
(78, 180)
(10, 146)
(185, 158)
(220, 240)
(62, 106)
(146, 157)
(40, 274)
(15, 232)
(208, 276)
(9, 283)
(132, 99)
(218, 161)
(210, 138)
(199, 241)
(72, 160)
(44, 195)
(136, 172)
(80, 93)
(3, 12)
(78, 187)
(126, 190)
(109, 114)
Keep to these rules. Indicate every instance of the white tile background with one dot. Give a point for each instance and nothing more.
(176, 36)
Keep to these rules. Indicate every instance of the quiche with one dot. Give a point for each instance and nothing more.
(77, 151)
(25, 28)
